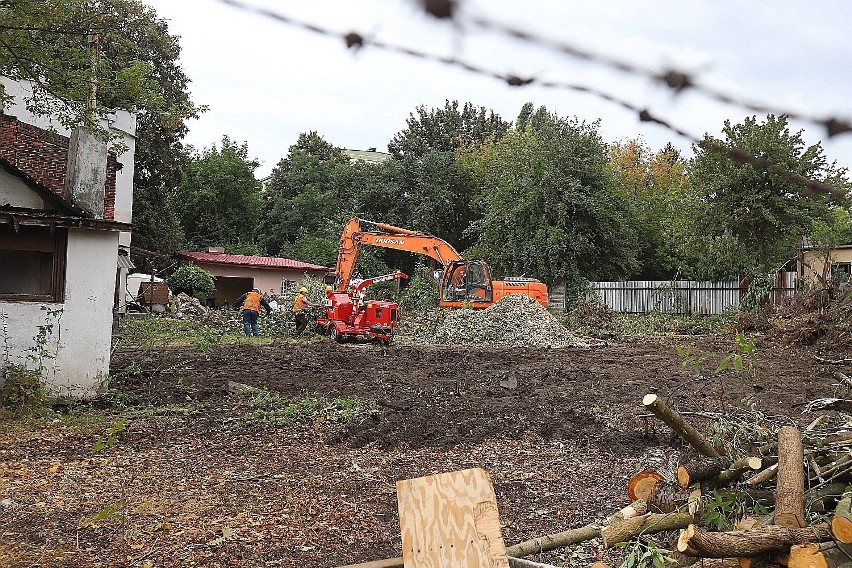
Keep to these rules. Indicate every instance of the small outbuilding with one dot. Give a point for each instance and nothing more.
(235, 274)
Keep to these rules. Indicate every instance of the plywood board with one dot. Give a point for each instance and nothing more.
(450, 520)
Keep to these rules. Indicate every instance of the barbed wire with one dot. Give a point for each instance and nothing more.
(675, 80)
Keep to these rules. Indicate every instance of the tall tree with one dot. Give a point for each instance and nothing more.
(549, 210)
(756, 208)
(218, 200)
(447, 129)
(656, 189)
(305, 194)
(136, 68)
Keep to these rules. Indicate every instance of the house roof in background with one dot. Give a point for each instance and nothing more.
(264, 262)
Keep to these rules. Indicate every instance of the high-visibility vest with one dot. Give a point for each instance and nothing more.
(299, 303)
(252, 302)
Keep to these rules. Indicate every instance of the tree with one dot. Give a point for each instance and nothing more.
(192, 280)
(218, 201)
(548, 207)
(826, 235)
(656, 190)
(136, 67)
(305, 194)
(447, 129)
(758, 209)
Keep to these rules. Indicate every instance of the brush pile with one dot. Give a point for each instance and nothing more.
(514, 321)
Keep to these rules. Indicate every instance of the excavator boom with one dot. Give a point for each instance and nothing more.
(386, 236)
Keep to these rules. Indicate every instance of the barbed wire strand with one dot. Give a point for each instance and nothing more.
(676, 80)
(355, 40)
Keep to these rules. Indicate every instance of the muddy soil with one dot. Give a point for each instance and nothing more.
(199, 476)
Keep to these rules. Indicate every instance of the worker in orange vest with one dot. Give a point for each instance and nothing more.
(251, 303)
(300, 306)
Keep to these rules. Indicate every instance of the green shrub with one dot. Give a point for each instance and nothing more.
(422, 291)
(192, 280)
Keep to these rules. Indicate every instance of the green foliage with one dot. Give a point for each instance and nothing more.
(722, 510)
(421, 293)
(192, 280)
(108, 439)
(646, 555)
(549, 210)
(689, 359)
(657, 193)
(218, 200)
(743, 359)
(23, 385)
(765, 212)
(305, 194)
(274, 409)
(446, 130)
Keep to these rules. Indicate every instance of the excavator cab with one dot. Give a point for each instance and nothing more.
(467, 281)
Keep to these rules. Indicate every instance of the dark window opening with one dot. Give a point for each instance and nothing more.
(32, 264)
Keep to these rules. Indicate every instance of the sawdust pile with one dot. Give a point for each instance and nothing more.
(514, 321)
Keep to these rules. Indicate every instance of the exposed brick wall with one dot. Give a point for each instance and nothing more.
(43, 156)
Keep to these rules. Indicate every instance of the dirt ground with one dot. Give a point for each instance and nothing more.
(192, 475)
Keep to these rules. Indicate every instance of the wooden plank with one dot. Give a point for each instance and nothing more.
(450, 520)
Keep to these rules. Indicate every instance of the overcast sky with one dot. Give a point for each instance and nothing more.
(266, 82)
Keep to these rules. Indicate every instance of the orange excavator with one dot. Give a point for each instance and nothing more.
(463, 283)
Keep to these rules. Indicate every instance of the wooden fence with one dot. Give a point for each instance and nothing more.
(675, 296)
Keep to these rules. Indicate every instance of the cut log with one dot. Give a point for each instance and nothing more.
(640, 485)
(667, 497)
(762, 477)
(681, 561)
(622, 531)
(841, 523)
(824, 555)
(790, 485)
(695, 541)
(737, 469)
(574, 536)
(553, 541)
(675, 421)
(699, 470)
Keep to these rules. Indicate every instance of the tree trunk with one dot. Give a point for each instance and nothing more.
(699, 470)
(737, 469)
(763, 476)
(641, 484)
(695, 541)
(552, 541)
(622, 531)
(521, 563)
(841, 523)
(790, 488)
(667, 497)
(675, 421)
(825, 555)
(574, 536)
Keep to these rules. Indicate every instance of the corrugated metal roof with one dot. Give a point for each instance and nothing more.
(252, 261)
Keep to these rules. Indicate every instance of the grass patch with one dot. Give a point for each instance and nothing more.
(272, 408)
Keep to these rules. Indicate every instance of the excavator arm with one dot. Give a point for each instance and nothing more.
(387, 236)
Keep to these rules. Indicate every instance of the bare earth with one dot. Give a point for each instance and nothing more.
(201, 477)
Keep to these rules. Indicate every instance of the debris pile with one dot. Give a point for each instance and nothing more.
(514, 321)
(187, 307)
